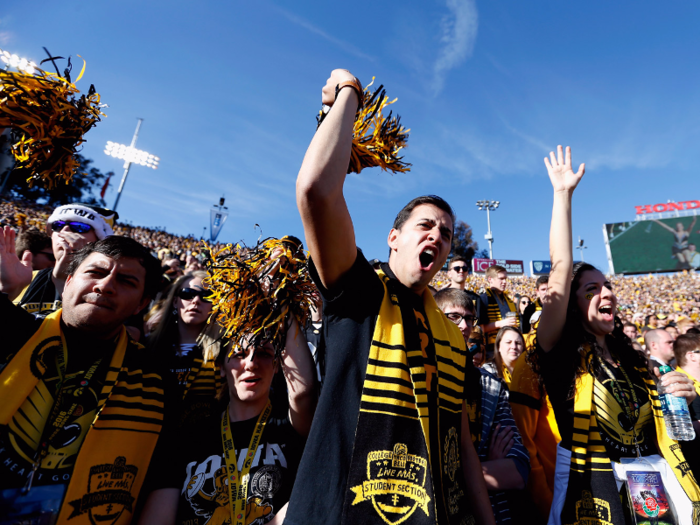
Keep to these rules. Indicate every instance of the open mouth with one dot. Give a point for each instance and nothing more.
(607, 312)
(251, 381)
(426, 258)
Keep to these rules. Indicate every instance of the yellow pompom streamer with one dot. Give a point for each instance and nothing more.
(254, 289)
(376, 139)
(48, 120)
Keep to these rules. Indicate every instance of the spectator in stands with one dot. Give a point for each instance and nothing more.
(71, 227)
(208, 458)
(504, 459)
(651, 322)
(586, 361)
(532, 313)
(672, 330)
(394, 309)
(476, 346)
(39, 245)
(684, 325)
(495, 308)
(187, 346)
(686, 350)
(659, 344)
(98, 396)
(534, 415)
(457, 270)
(523, 302)
(509, 345)
(630, 330)
(172, 268)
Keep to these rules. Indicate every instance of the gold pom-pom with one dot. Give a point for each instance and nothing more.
(376, 139)
(253, 290)
(48, 120)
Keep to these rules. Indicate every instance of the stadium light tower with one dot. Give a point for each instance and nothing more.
(489, 206)
(580, 247)
(129, 154)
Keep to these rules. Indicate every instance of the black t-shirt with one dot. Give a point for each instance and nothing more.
(41, 297)
(196, 467)
(350, 313)
(558, 368)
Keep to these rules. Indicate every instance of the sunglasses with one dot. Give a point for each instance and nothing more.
(524, 302)
(459, 268)
(75, 227)
(457, 319)
(190, 293)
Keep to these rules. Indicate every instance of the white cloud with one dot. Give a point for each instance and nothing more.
(457, 35)
(302, 22)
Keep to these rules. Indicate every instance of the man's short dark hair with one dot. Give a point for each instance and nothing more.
(434, 200)
(32, 240)
(542, 279)
(116, 247)
(455, 259)
(683, 344)
(454, 297)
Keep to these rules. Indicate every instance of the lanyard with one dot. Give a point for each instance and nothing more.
(63, 409)
(621, 398)
(238, 481)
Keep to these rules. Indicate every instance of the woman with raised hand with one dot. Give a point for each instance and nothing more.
(604, 399)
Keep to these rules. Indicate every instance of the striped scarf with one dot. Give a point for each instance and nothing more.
(497, 310)
(112, 461)
(592, 497)
(405, 465)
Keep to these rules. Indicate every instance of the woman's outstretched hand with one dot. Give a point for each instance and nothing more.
(560, 172)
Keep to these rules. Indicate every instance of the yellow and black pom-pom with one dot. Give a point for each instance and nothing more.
(376, 139)
(253, 290)
(48, 120)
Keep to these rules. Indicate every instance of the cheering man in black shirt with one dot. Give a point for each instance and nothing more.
(389, 441)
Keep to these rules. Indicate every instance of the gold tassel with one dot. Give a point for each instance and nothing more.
(254, 289)
(49, 121)
(376, 139)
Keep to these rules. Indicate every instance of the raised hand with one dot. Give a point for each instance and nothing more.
(15, 275)
(560, 171)
(337, 76)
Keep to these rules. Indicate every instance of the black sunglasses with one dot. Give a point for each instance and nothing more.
(457, 319)
(75, 227)
(190, 293)
(459, 268)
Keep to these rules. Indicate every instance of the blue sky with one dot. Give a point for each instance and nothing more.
(229, 91)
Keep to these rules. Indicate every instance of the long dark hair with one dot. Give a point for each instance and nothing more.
(577, 341)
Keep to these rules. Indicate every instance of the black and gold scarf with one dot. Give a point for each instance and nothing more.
(592, 497)
(497, 310)
(112, 461)
(405, 465)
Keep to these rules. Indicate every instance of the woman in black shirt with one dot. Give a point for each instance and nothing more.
(604, 401)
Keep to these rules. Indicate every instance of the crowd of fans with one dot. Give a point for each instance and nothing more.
(666, 296)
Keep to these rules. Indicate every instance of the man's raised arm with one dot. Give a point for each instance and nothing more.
(327, 225)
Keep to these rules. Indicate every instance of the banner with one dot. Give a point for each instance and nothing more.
(540, 267)
(218, 218)
(512, 267)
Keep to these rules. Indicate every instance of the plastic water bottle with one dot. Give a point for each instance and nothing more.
(678, 424)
